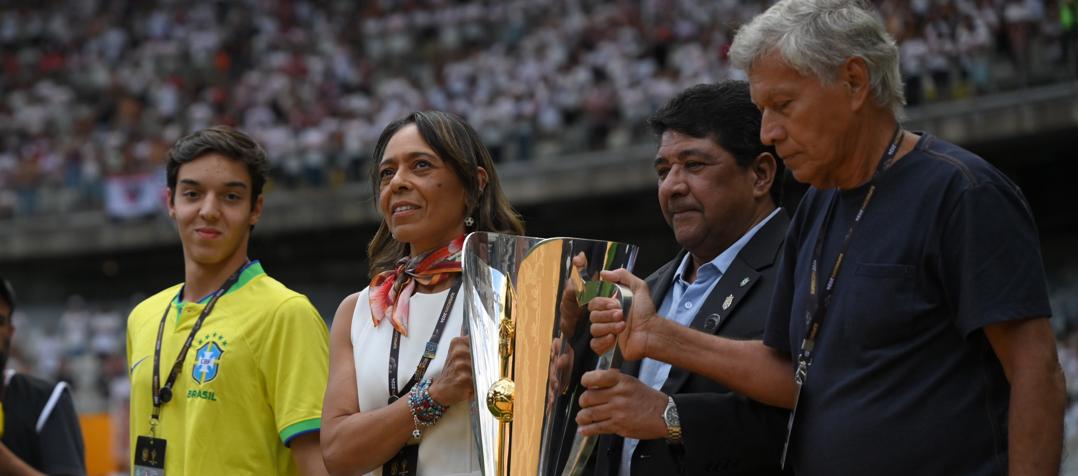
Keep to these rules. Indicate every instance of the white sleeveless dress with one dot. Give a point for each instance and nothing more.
(447, 448)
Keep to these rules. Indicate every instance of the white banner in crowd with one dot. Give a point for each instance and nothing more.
(134, 195)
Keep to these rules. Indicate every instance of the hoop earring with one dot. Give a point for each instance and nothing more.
(469, 222)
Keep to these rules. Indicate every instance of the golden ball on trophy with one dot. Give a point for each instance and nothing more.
(500, 399)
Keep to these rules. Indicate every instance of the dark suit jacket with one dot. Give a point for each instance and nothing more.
(724, 433)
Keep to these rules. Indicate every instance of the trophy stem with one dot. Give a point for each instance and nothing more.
(503, 448)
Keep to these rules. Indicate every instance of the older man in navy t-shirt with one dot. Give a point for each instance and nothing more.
(908, 329)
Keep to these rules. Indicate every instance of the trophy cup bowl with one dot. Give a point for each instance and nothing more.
(525, 309)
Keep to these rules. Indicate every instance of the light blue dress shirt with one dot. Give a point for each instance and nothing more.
(681, 303)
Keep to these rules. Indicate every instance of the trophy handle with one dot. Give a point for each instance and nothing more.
(583, 446)
(624, 295)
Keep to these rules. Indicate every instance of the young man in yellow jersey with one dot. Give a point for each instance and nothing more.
(227, 369)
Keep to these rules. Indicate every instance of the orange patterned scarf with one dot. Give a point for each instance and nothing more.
(390, 291)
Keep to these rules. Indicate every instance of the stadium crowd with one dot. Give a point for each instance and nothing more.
(92, 93)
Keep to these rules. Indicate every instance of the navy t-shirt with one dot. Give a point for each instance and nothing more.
(904, 380)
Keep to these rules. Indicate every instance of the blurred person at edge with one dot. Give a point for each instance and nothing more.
(718, 187)
(1068, 22)
(928, 351)
(434, 181)
(39, 429)
(227, 368)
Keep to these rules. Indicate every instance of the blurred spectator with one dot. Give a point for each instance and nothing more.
(1019, 18)
(973, 43)
(1068, 23)
(75, 327)
(912, 58)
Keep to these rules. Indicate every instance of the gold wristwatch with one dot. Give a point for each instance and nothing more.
(673, 422)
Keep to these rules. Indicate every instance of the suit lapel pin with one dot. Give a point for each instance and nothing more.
(744, 282)
(729, 300)
(712, 322)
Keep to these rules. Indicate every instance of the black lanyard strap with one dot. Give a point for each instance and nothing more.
(429, 352)
(162, 395)
(814, 317)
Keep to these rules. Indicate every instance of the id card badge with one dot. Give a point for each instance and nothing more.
(149, 456)
(404, 463)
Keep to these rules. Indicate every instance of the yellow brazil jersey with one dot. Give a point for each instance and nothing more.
(253, 379)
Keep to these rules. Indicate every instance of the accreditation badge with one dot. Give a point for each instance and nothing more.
(150, 456)
(404, 463)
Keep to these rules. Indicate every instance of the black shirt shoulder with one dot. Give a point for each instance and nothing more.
(32, 393)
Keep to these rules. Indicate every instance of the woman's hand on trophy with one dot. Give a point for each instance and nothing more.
(620, 404)
(608, 322)
(454, 384)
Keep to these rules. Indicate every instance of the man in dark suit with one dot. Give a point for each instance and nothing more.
(718, 192)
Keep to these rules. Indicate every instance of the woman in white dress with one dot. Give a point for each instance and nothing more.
(388, 408)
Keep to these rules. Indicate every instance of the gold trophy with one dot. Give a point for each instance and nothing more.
(525, 307)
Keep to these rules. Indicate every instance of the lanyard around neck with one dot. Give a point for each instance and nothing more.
(814, 317)
(163, 394)
(429, 352)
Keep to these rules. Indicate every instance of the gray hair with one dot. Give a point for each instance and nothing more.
(817, 36)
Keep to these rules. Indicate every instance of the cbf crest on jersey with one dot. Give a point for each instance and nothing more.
(207, 362)
(208, 357)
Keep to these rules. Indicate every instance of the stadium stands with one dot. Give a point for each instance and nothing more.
(93, 94)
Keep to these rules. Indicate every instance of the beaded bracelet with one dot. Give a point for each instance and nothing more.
(425, 410)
